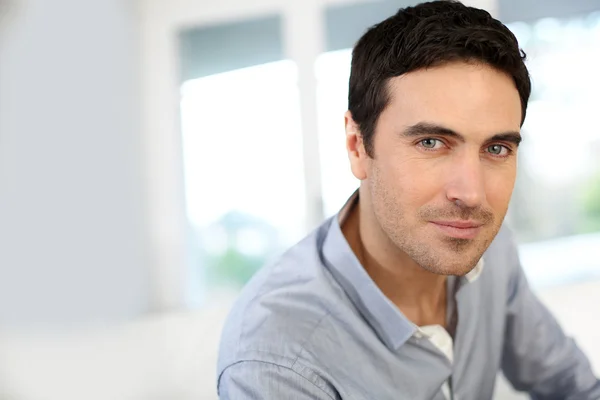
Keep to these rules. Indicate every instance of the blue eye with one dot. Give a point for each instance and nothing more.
(429, 143)
(498, 150)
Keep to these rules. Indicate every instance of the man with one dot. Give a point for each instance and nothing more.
(414, 290)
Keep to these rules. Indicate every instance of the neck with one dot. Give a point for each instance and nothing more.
(418, 293)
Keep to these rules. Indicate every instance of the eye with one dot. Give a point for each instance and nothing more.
(430, 143)
(498, 150)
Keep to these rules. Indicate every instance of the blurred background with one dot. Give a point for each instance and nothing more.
(154, 154)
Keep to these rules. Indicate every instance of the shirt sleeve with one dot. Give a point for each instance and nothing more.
(256, 380)
(538, 357)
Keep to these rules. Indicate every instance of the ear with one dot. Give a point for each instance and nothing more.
(356, 149)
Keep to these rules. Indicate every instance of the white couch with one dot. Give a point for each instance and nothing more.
(173, 356)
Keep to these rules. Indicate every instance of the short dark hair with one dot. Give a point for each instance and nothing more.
(427, 35)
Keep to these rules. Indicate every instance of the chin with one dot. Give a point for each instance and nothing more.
(449, 269)
(461, 270)
(451, 264)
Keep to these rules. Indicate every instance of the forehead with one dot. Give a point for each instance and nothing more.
(474, 99)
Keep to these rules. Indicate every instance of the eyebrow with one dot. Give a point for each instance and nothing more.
(425, 128)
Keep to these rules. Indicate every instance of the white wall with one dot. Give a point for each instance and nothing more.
(72, 234)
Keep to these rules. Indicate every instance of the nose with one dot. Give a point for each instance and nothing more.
(466, 182)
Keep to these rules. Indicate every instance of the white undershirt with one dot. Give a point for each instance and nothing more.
(439, 336)
(441, 339)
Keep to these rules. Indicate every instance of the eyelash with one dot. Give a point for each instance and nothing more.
(509, 150)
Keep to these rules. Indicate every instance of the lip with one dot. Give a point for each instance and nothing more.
(459, 229)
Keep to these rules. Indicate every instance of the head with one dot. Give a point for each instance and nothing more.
(438, 94)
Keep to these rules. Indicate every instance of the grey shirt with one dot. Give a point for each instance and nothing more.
(313, 325)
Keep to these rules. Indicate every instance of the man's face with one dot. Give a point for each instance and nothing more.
(444, 163)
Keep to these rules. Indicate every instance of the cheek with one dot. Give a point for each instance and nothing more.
(499, 188)
(415, 181)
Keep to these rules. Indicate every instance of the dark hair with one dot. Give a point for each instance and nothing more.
(427, 35)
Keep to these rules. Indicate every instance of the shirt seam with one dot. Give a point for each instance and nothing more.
(309, 337)
(259, 292)
(290, 368)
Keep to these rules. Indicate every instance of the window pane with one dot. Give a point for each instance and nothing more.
(243, 168)
(333, 71)
(556, 204)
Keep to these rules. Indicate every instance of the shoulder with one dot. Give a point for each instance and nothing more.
(280, 309)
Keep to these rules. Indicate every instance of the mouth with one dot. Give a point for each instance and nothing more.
(459, 229)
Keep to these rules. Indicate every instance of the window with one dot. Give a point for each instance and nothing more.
(333, 71)
(556, 204)
(243, 169)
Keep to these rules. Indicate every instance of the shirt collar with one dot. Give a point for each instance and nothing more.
(392, 327)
